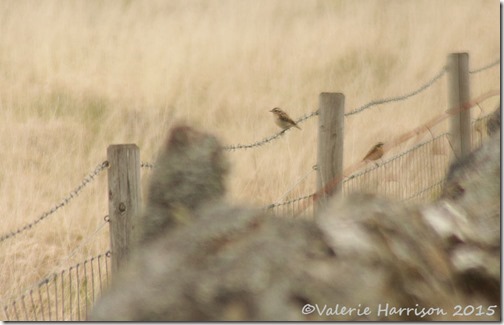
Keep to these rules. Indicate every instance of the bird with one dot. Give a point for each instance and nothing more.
(283, 120)
(375, 153)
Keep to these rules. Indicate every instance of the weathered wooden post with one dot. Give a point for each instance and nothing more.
(458, 96)
(124, 199)
(330, 146)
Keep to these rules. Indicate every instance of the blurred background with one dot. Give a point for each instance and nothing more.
(77, 76)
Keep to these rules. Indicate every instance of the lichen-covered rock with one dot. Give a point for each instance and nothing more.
(362, 258)
(494, 122)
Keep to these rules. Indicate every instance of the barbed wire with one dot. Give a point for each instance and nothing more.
(486, 67)
(302, 198)
(91, 176)
(399, 98)
(426, 127)
(428, 84)
(268, 139)
(352, 112)
(88, 179)
(425, 86)
(329, 186)
(148, 165)
(262, 142)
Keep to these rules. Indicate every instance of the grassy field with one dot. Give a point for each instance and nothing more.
(77, 76)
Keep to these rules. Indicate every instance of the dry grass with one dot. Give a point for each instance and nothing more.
(76, 76)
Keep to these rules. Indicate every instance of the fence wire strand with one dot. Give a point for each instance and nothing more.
(65, 259)
(425, 86)
(398, 178)
(399, 155)
(486, 67)
(276, 205)
(73, 194)
(268, 139)
(147, 165)
(85, 242)
(425, 190)
(399, 98)
(37, 288)
(355, 111)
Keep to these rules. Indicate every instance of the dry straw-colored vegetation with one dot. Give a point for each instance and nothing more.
(76, 76)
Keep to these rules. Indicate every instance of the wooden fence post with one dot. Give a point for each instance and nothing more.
(330, 145)
(124, 199)
(458, 95)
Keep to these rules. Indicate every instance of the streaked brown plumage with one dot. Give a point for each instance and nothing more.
(283, 120)
(375, 153)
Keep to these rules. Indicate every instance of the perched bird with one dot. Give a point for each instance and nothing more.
(375, 153)
(283, 120)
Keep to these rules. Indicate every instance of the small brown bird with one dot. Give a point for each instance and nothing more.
(283, 120)
(375, 153)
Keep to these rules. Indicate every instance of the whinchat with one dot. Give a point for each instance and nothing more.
(283, 120)
(375, 153)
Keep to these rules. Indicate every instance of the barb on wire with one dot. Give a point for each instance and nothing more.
(404, 137)
(399, 98)
(248, 146)
(148, 165)
(88, 179)
(352, 112)
(302, 198)
(486, 67)
(268, 139)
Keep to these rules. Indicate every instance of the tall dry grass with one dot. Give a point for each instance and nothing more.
(76, 76)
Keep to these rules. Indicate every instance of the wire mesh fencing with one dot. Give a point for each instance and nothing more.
(64, 296)
(415, 175)
(407, 174)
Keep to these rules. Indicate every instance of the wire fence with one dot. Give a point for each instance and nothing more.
(417, 91)
(58, 295)
(73, 194)
(269, 139)
(64, 296)
(402, 176)
(485, 67)
(364, 107)
(415, 175)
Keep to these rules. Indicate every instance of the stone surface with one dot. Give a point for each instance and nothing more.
(215, 261)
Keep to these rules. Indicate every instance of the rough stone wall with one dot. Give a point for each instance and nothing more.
(200, 258)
